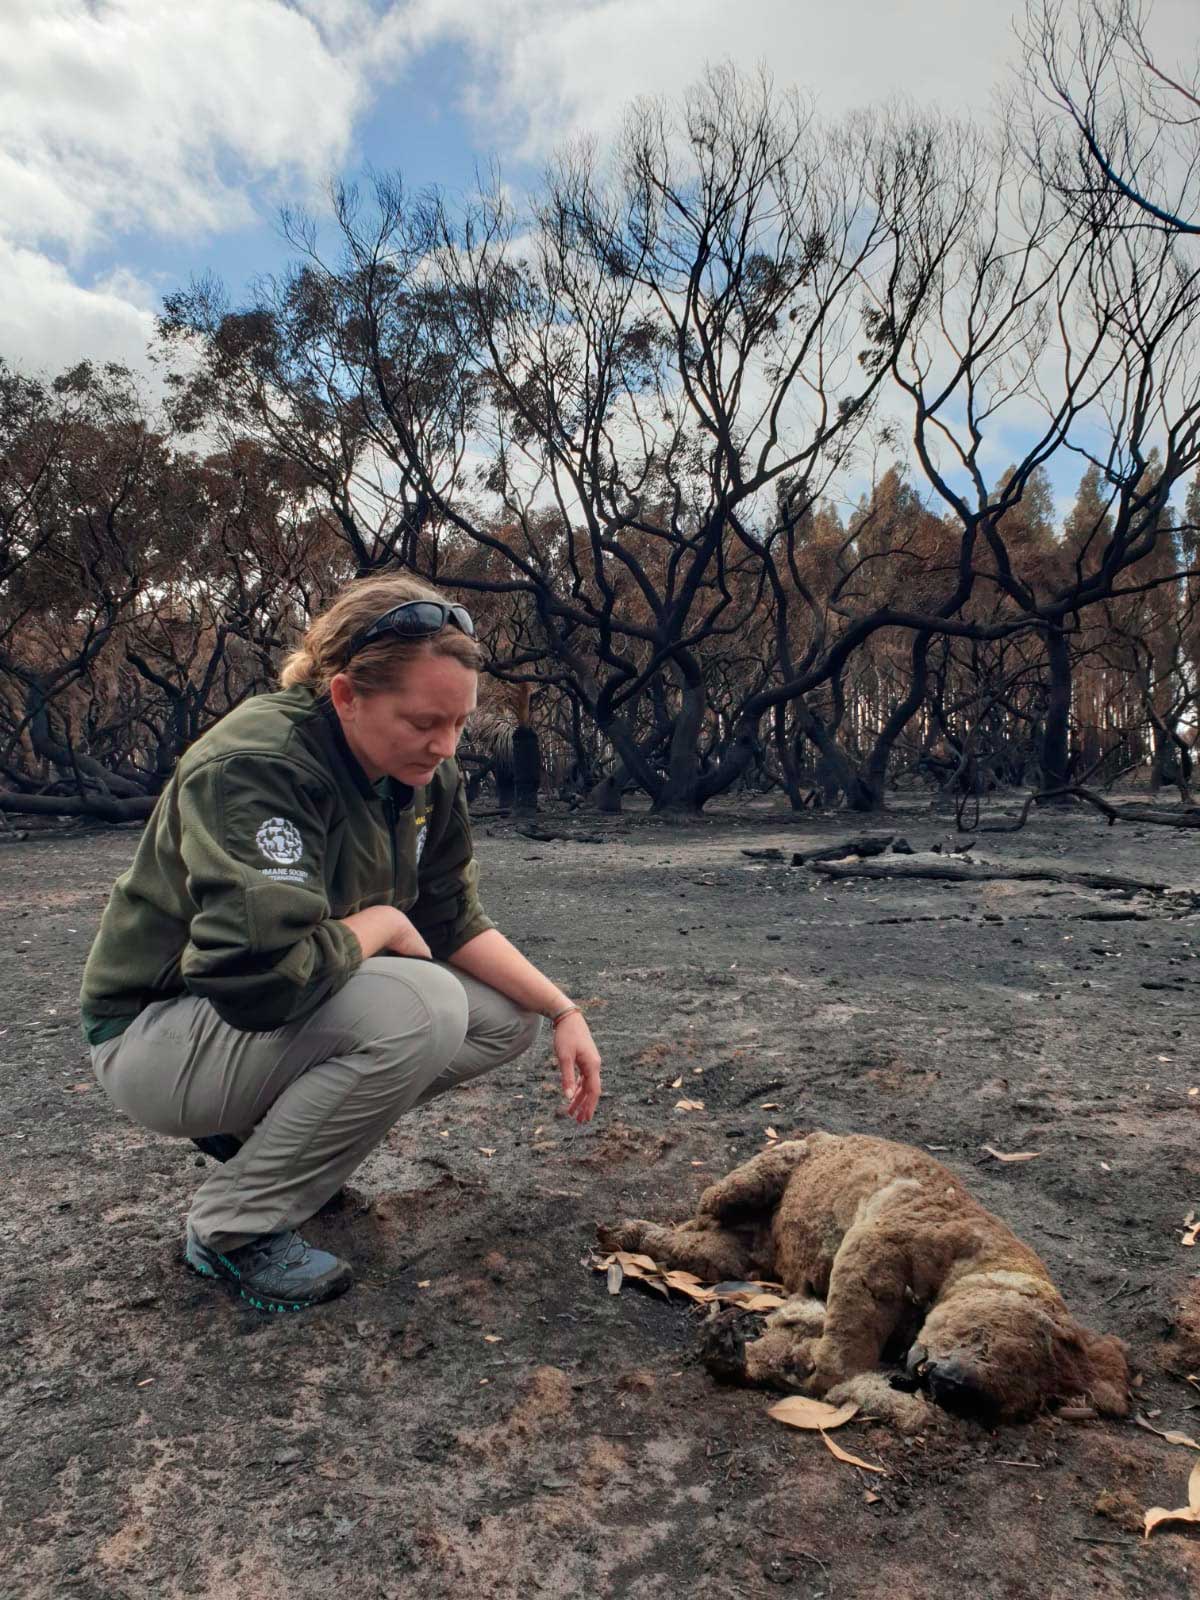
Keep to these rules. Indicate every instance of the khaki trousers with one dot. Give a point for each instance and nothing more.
(312, 1099)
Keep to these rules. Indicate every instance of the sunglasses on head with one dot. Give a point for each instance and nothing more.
(414, 619)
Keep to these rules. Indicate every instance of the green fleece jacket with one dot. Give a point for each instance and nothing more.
(267, 835)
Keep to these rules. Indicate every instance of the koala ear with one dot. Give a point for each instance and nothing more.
(1093, 1365)
(1110, 1373)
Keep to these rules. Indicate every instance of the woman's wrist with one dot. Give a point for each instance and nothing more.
(568, 1009)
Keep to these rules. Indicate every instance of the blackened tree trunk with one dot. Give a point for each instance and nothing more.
(874, 776)
(1056, 730)
(527, 769)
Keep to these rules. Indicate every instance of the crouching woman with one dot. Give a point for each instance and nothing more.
(298, 955)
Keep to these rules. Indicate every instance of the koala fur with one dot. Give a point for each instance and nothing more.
(882, 1249)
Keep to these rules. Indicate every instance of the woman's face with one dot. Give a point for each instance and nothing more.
(404, 733)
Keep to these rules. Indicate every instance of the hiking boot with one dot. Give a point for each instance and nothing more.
(220, 1146)
(275, 1272)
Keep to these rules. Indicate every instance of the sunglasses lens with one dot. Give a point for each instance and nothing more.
(418, 617)
(463, 617)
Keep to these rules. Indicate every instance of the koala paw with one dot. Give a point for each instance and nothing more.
(723, 1345)
(619, 1235)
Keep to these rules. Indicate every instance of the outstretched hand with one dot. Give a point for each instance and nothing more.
(579, 1063)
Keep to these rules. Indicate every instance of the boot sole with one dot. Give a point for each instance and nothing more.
(266, 1302)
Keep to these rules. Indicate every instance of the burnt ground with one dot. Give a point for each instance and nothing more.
(479, 1416)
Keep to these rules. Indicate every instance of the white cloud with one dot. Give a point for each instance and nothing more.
(149, 114)
(48, 321)
(543, 70)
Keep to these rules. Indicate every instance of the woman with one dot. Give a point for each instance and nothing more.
(298, 956)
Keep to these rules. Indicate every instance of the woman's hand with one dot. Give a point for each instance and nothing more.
(579, 1063)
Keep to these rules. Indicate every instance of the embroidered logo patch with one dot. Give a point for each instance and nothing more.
(279, 840)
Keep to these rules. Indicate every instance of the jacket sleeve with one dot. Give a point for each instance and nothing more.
(262, 946)
(447, 912)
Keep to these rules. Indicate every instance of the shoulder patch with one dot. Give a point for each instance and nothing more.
(279, 840)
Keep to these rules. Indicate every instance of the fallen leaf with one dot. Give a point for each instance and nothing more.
(870, 1497)
(484, 1151)
(1193, 1231)
(771, 1134)
(144, 1382)
(689, 1285)
(1014, 1155)
(689, 1105)
(1188, 1513)
(677, 1273)
(814, 1415)
(616, 1277)
(852, 1461)
(491, 1338)
(762, 1302)
(1194, 1091)
(78, 1088)
(424, 1283)
(1171, 1438)
(769, 1105)
(629, 1260)
(677, 1083)
(443, 1133)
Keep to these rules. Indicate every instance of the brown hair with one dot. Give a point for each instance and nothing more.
(324, 650)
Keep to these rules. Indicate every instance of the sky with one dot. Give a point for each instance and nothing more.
(143, 142)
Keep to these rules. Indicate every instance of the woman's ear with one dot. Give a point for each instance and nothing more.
(341, 692)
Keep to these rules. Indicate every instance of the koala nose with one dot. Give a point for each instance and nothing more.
(913, 1377)
(955, 1388)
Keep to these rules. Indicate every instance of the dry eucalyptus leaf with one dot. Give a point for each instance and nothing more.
(491, 1338)
(771, 1133)
(851, 1461)
(615, 1277)
(629, 1260)
(1193, 1232)
(1013, 1155)
(769, 1105)
(677, 1083)
(1188, 1513)
(870, 1498)
(814, 1415)
(484, 1151)
(762, 1302)
(689, 1105)
(687, 1284)
(1163, 1433)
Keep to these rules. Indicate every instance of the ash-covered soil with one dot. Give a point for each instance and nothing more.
(479, 1416)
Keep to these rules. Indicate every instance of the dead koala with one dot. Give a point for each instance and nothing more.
(885, 1255)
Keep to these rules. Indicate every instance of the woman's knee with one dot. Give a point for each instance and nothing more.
(406, 1006)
